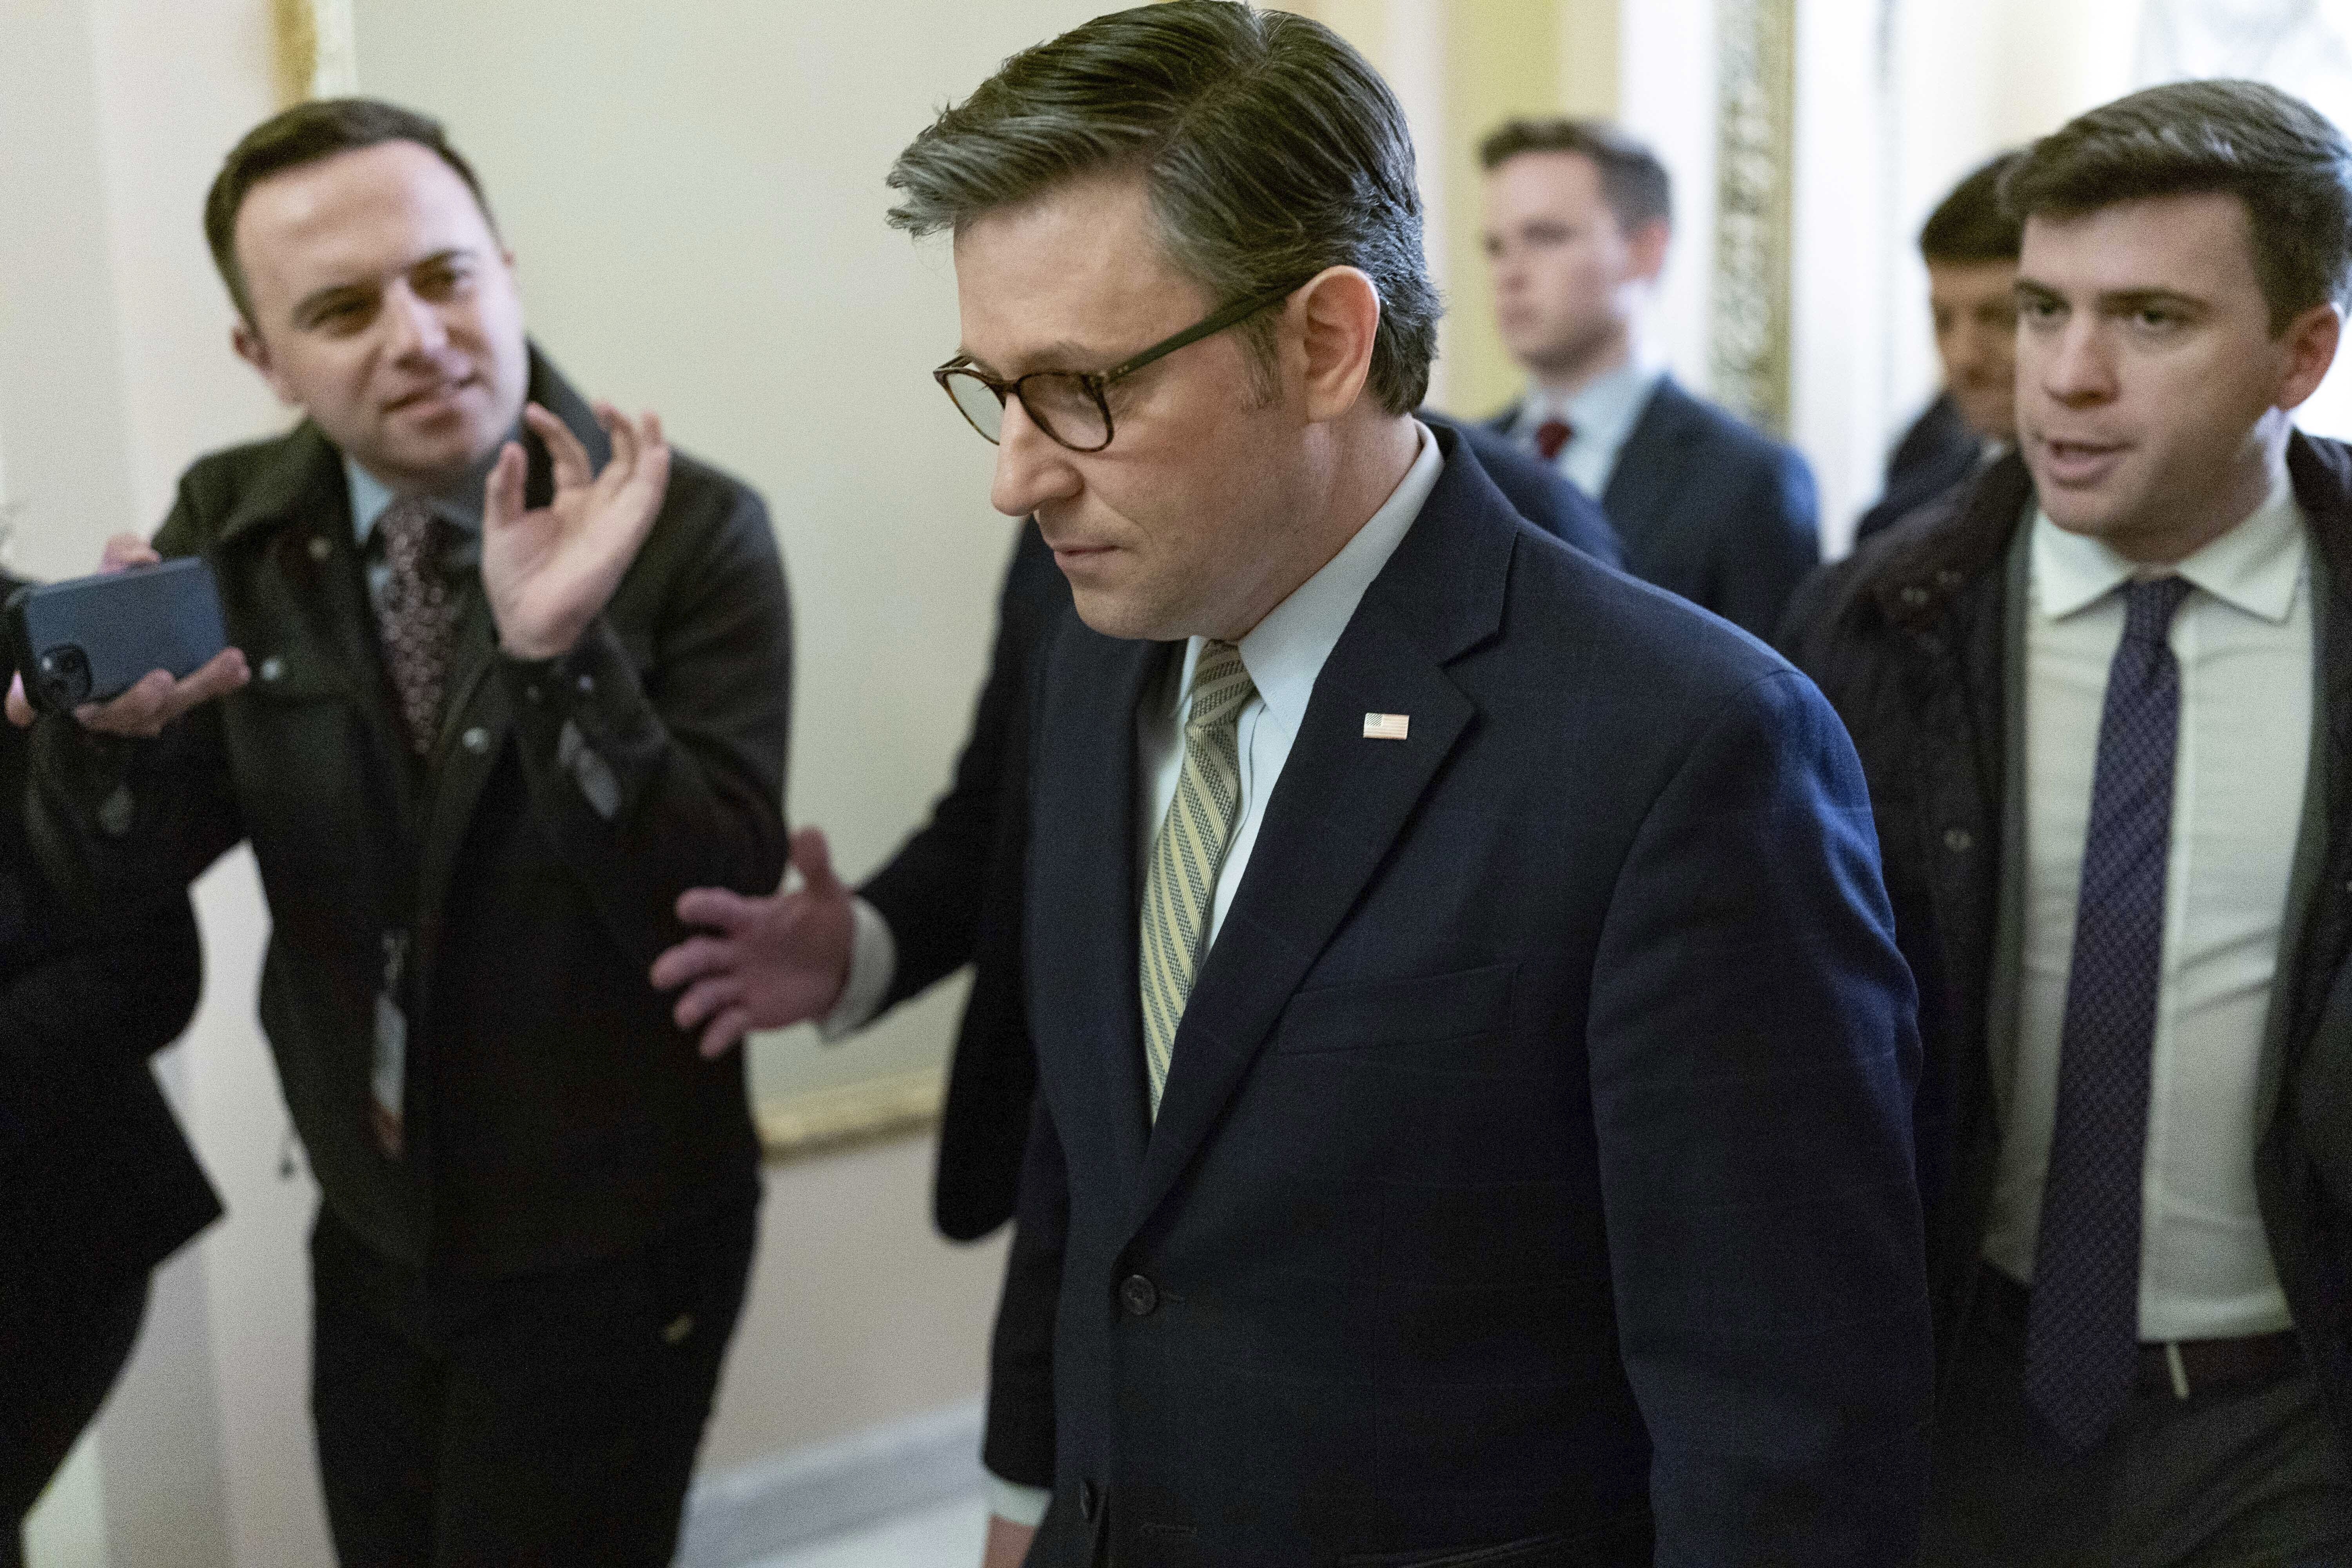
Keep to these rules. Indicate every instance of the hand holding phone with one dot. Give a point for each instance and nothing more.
(126, 651)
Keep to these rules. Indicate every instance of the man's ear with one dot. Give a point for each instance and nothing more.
(1647, 247)
(1338, 318)
(253, 351)
(2310, 341)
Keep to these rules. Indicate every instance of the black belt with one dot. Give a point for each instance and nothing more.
(2177, 1368)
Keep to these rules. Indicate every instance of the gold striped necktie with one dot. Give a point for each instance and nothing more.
(1179, 885)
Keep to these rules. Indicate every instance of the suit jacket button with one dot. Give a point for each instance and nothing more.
(1090, 1502)
(476, 740)
(1960, 841)
(320, 548)
(273, 668)
(1139, 1296)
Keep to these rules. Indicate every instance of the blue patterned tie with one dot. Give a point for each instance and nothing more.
(2082, 1342)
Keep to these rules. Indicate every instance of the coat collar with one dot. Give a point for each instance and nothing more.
(1920, 570)
(307, 475)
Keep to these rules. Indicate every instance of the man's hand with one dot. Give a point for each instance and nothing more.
(769, 961)
(142, 709)
(1008, 1543)
(552, 571)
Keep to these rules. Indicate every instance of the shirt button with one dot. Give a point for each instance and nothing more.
(1139, 1296)
(476, 740)
(273, 668)
(320, 548)
(1960, 841)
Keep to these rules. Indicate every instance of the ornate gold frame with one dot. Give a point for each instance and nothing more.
(1756, 54)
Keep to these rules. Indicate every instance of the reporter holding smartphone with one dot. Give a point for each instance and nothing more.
(96, 1184)
(506, 677)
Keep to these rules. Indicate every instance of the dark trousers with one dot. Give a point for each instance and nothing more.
(547, 1419)
(62, 1345)
(2243, 1476)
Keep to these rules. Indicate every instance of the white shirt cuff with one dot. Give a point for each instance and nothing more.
(873, 960)
(1016, 1504)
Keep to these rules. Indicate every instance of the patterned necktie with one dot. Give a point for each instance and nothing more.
(415, 616)
(1179, 885)
(2082, 1346)
(1551, 436)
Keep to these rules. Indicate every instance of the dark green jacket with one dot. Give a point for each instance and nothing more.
(1914, 639)
(553, 1112)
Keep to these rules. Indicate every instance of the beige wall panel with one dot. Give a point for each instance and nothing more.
(1502, 58)
(1589, 44)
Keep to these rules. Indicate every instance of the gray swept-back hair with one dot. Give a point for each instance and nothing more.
(1269, 151)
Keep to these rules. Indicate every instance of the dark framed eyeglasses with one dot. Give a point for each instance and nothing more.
(1072, 405)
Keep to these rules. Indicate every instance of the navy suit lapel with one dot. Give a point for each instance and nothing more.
(1343, 802)
(1081, 954)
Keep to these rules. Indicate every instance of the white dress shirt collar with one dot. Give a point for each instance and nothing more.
(461, 507)
(1604, 407)
(2254, 567)
(1286, 651)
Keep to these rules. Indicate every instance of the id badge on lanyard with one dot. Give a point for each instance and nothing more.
(390, 1076)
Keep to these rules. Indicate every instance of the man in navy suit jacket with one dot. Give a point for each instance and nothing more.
(1578, 219)
(1474, 1062)
(950, 895)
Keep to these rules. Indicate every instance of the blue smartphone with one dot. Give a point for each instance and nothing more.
(93, 637)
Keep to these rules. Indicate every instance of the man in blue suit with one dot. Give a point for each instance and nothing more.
(1474, 1062)
(1578, 219)
(950, 895)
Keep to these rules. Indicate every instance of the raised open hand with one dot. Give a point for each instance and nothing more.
(767, 961)
(551, 572)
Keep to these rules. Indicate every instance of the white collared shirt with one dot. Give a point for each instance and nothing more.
(1602, 414)
(460, 506)
(1284, 654)
(2243, 640)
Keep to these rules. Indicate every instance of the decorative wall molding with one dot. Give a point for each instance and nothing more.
(1756, 52)
(829, 1120)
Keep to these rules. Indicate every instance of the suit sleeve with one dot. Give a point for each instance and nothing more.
(1019, 1445)
(1777, 549)
(1753, 1056)
(933, 891)
(118, 822)
(656, 782)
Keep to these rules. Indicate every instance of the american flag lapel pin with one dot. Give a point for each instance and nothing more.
(1387, 726)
